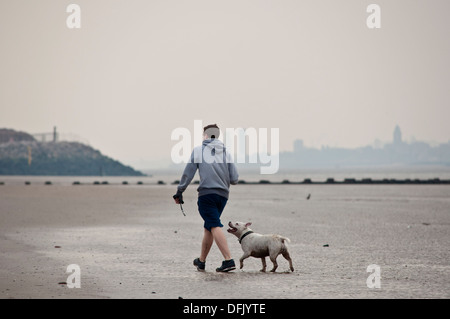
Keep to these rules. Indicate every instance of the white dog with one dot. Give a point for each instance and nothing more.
(260, 246)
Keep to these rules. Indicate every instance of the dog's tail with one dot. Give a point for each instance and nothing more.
(285, 239)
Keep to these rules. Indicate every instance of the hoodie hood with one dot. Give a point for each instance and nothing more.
(214, 143)
(214, 148)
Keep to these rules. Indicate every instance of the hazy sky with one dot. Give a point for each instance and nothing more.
(137, 69)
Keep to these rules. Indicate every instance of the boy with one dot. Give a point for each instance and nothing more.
(217, 172)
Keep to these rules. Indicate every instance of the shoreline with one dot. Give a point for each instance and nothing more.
(306, 181)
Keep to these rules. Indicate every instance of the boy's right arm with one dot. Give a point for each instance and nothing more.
(188, 175)
(186, 178)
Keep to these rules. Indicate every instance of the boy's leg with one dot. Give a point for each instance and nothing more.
(221, 242)
(206, 244)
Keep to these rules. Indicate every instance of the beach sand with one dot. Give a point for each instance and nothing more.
(132, 241)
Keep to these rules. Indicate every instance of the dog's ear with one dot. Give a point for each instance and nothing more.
(248, 224)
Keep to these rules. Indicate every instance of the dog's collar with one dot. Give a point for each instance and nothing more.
(243, 236)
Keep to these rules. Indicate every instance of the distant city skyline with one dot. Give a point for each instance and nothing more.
(395, 152)
(396, 138)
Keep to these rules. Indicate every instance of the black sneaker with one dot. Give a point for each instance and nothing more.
(200, 265)
(227, 265)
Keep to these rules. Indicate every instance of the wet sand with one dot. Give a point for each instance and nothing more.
(131, 241)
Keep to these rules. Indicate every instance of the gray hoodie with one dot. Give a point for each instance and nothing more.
(215, 166)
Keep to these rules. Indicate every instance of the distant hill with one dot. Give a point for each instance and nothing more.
(21, 154)
(7, 136)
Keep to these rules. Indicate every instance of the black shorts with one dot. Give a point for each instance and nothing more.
(210, 207)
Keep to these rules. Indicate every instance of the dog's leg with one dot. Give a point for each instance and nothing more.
(288, 258)
(273, 259)
(263, 260)
(241, 260)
